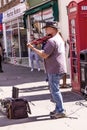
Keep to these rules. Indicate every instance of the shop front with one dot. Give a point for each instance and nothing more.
(15, 35)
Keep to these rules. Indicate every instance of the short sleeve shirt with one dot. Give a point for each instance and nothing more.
(56, 61)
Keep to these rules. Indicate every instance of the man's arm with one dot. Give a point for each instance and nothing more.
(41, 53)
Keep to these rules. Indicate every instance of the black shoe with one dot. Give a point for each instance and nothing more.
(52, 112)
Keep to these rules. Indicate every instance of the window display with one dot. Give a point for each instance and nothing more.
(23, 38)
(37, 22)
(16, 36)
(8, 38)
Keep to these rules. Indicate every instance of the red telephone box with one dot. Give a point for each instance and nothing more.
(77, 17)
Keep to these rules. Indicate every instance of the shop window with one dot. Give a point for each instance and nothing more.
(12, 38)
(23, 38)
(9, 44)
(15, 36)
(14, 23)
(8, 39)
(15, 41)
(38, 20)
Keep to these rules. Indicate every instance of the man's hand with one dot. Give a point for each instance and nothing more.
(39, 52)
(30, 45)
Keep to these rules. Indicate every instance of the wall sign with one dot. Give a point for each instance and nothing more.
(14, 12)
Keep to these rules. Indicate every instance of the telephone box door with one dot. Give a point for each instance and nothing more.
(77, 17)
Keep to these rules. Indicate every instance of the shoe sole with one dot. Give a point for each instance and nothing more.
(56, 117)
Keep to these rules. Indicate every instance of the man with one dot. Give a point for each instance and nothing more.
(55, 65)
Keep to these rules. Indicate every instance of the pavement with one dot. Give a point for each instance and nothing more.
(36, 90)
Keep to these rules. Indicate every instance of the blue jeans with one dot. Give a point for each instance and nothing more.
(55, 91)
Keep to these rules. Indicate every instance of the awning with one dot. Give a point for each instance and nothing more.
(53, 4)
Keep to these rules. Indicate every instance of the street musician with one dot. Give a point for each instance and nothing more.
(55, 65)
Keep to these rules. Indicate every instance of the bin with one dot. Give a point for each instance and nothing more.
(83, 55)
(83, 72)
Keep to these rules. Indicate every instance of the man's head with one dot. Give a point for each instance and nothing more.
(51, 24)
(51, 27)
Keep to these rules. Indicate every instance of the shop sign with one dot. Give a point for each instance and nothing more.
(14, 12)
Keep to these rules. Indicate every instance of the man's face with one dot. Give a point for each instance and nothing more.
(50, 30)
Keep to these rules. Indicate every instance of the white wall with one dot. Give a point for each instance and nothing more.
(63, 23)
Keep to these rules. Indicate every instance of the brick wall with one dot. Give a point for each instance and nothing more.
(9, 5)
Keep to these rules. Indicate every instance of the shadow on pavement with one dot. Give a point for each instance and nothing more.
(34, 89)
(15, 75)
(68, 96)
(5, 122)
(8, 122)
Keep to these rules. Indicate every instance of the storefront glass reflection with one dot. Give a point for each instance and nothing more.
(23, 38)
(15, 42)
(38, 20)
(8, 39)
(16, 38)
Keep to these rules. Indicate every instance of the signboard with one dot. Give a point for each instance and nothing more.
(14, 12)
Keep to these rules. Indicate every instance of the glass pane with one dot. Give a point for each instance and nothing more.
(21, 22)
(23, 38)
(37, 22)
(8, 39)
(14, 23)
(15, 42)
(8, 26)
(23, 42)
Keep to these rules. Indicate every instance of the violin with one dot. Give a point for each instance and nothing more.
(41, 40)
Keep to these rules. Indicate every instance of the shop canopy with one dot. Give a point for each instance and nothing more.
(53, 4)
